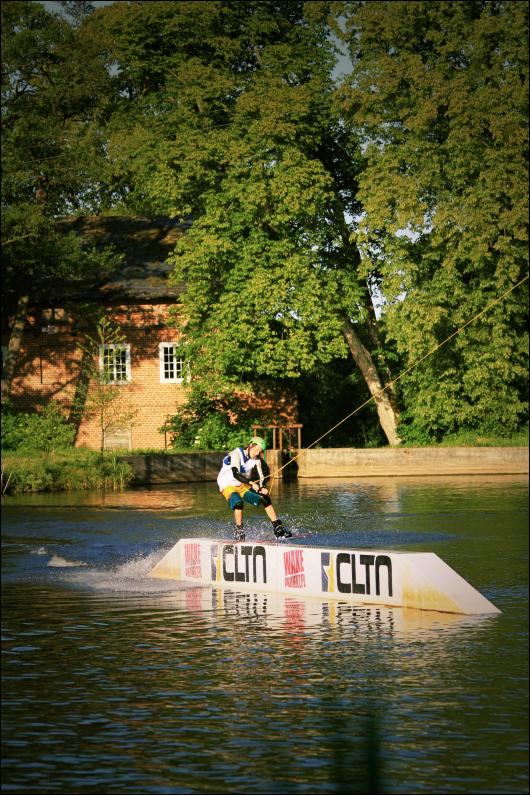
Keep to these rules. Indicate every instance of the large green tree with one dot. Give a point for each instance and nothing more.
(56, 87)
(227, 116)
(409, 180)
(439, 92)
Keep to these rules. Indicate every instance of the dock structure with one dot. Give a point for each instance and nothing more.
(419, 580)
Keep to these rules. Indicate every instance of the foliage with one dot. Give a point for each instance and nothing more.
(228, 116)
(328, 394)
(22, 477)
(408, 182)
(440, 92)
(55, 92)
(45, 431)
(56, 88)
(475, 439)
(219, 422)
(74, 470)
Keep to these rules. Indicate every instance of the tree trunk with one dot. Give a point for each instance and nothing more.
(387, 405)
(373, 333)
(78, 406)
(388, 416)
(13, 350)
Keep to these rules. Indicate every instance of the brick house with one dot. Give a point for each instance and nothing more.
(149, 369)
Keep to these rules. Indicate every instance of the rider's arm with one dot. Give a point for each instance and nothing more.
(235, 460)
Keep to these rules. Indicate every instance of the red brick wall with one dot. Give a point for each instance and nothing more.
(49, 368)
(151, 401)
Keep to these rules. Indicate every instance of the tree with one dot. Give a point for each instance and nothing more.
(55, 91)
(228, 116)
(439, 92)
(102, 396)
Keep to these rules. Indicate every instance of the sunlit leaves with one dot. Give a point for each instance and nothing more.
(440, 92)
(232, 131)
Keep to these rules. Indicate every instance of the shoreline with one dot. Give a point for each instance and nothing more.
(156, 468)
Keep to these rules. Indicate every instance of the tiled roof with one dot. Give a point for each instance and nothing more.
(145, 244)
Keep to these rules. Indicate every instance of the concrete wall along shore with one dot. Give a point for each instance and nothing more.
(418, 461)
(340, 463)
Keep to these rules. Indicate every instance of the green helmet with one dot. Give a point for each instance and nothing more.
(260, 442)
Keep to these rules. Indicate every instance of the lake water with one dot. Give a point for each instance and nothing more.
(115, 682)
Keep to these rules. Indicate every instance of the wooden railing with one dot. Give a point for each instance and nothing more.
(281, 432)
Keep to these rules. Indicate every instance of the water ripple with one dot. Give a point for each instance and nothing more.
(114, 682)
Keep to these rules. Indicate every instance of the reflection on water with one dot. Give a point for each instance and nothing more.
(182, 497)
(116, 682)
(311, 615)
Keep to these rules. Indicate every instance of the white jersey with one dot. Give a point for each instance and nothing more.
(239, 459)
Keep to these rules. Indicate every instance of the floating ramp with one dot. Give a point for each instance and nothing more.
(418, 580)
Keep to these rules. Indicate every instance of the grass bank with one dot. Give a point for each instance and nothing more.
(75, 469)
(79, 469)
(474, 439)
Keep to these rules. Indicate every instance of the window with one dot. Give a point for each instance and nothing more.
(171, 363)
(115, 363)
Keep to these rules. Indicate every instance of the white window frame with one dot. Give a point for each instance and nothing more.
(112, 347)
(175, 379)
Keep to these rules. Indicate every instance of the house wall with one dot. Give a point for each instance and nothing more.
(50, 365)
(149, 401)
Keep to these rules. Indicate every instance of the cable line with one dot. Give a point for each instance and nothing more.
(408, 369)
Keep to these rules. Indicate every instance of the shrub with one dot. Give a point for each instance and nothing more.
(13, 427)
(45, 431)
(25, 477)
(206, 423)
(72, 470)
(216, 433)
